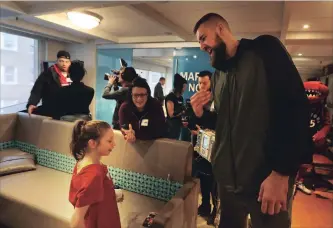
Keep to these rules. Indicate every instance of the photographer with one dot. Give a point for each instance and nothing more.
(174, 107)
(201, 167)
(112, 91)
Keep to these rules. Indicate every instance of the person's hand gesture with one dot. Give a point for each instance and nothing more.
(198, 100)
(129, 134)
(112, 79)
(273, 194)
(31, 108)
(319, 138)
(195, 132)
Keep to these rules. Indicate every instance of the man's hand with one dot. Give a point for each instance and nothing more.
(273, 194)
(198, 100)
(319, 138)
(129, 134)
(31, 108)
(112, 79)
(195, 132)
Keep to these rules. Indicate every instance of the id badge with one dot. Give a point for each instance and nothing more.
(144, 123)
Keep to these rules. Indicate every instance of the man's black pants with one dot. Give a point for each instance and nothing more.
(202, 169)
(236, 207)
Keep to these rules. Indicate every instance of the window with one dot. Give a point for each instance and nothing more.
(143, 73)
(8, 75)
(8, 103)
(152, 77)
(9, 42)
(32, 49)
(19, 70)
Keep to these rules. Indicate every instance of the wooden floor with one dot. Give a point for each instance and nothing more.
(308, 212)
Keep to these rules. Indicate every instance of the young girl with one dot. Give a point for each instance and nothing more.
(92, 191)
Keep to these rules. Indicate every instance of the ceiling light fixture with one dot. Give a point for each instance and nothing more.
(300, 54)
(85, 20)
(195, 56)
(306, 26)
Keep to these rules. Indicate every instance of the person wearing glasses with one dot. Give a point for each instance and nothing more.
(141, 116)
(113, 92)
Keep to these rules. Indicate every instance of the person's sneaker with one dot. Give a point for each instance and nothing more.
(204, 210)
(304, 189)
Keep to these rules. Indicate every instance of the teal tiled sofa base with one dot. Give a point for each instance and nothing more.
(135, 182)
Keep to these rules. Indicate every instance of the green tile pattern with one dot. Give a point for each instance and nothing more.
(136, 182)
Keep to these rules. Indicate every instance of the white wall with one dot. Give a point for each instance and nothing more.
(86, 53)
(137, 64)
(52, 48)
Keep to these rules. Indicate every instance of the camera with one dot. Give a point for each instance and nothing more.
(123, 64)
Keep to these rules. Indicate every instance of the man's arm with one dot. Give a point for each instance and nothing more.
(289, 107)
(112, 93)
(36, 91)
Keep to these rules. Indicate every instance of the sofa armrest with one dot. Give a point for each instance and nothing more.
(181, 211)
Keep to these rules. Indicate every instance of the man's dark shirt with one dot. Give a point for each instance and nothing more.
(158, 92)
(45, 88)
(262, 116)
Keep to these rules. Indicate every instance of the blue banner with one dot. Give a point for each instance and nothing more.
(188, 62)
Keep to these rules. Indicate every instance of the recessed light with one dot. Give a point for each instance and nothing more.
(186, 58)
(300, 54)
(306, 26)
(195, 56)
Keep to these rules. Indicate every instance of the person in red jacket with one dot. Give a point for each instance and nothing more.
(142, 116)
(91, 190)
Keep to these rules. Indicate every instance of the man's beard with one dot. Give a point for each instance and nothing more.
(219, 54)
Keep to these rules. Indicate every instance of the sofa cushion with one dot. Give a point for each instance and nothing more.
(56, 136)
(15, 161)
(160, 158)
(41, 199)
(28, 128)
(7, 127)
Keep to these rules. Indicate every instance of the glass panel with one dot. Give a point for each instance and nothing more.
(19, 70)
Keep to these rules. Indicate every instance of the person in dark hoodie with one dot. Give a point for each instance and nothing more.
(47, 86)
(262, 134)
(113, 92)
(141, 116)
(174, 104)
(74, 100)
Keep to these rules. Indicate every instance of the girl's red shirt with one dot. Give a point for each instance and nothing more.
(93, 186)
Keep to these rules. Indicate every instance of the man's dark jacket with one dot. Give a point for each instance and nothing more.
(74, 99)
(45, 88)
(262, 117)
(158, 93)
(113, 92)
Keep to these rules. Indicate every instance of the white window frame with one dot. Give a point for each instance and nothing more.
(2, 105)
(15, 46)
(3, 78)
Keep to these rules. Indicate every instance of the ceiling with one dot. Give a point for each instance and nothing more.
(127, 22)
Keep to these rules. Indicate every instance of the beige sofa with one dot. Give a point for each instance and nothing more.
(155, 176)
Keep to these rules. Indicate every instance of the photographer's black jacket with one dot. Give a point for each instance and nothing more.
(262, 116)
(113, 92)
